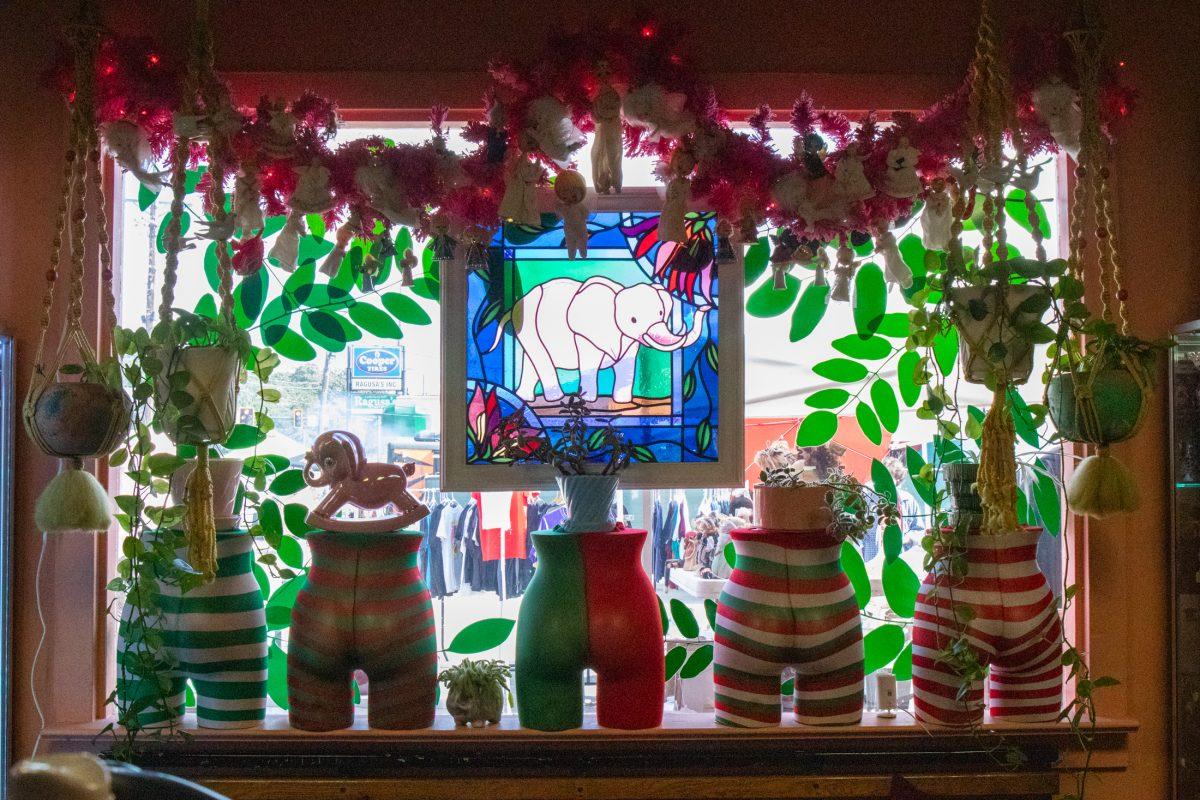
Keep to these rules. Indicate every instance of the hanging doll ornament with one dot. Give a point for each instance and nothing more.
(549, 125)
(658, 112)
(672, 223)
(843, 273)
(937, 216)
(443, 243)
(286, 249)
(247, 189)
(849, 177)
(821, 270)
(407, 264)
(333, 261)
(85, 417)
(571, 189)
(130, 148)
(313, 194)
(608, 141)
(383, 191)
(894, 268)
(477, 238)
(782, 254)
(519, 204)
(1058, 106)
(725, 254)
(902, 180)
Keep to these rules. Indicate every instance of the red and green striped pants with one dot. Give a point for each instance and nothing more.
(364, 606)
(1015, 632)
(788, 603)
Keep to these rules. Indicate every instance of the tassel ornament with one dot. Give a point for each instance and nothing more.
(73, 501)
(997, 481)
(1102, 486)
(198, 520)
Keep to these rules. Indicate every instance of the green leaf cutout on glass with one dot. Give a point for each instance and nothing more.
(881, 646)
(906, 370)
(893, 543)
(767, 301)
(270, 519)
(277, 676)
(146, 197)
(882, 481)
(856, 571)
(160, 241)
(685, 620)
(662, 613)
(697, 662)
(945, 350)
(405, 309)
(486, 634)
(290, 552)
(730, 556)
(868, 423)
(902, 666)
(900, 587)
(710, 611)
(871, 348)
(883, 398)
(756, 259)
(809, 311)
(374, 321)
(894, 325)
(287, 482)
(293, 346)
(674, 660)
(816, 429)
(827, 398)
(248, 299)
(870, 299)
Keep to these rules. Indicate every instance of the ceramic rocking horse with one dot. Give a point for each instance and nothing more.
(337, 460)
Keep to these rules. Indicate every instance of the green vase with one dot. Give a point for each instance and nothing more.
(1115, 405)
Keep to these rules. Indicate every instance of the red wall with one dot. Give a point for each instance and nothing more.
(854, 54)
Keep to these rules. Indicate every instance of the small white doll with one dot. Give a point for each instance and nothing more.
(313, 194)
(333, 261)
(1057, 104)
(894, 268)
(608, 142)
(849, 177)
(519, 203)
(129, 147)
(570, 189)
(937, 217)
(246, 192)
(902, 180)
(286, 249)
(672, 225)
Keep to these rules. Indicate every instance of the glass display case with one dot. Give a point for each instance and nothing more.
(1185, 561)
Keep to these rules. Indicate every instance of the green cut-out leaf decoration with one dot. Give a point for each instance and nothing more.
(316, 225)
(299, 284)
(374, 321)
(1046, 499)
(294, 347)
(270, 519)
(697, 662)
(287, 482)
(264, 583)
(900, 587)
(291, 553)
(906, 370)
(730, 554)
(868, 423)
(486, 634)
(870, 299)
(191, 178)
(206, 307)
(185, 222)
(146, 197)
(328, 330)
(295, 516)
(882, 481)
(842, 370)
(945, 350)
(767, 301)
(273, 225)
(756, 260)
(248, 299)
(279, 607)
(856, 571)
(662, 613)
(1022, 418)
(881, 646)
(674, 660)
(1014, 206)
(685, 620)
(405, 309)
(787, 687)
(327, 296)
(313, 249)
(243, 436)
(894, 325)
(277, 676)
(276, 315)
(886, 408)
(873, 347)
(809, 311)
(902, 667)
(921, 478)
(710, 611)
(893, 542)
(827, 398)
(816, 429)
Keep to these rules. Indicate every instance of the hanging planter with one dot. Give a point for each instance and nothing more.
(990, 321)
(200, 387)
(1096, 406)
(79, 419)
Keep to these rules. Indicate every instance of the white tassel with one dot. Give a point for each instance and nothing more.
(129, 147)
(894, 268)
(902, 180)
(519, 203)
(936, 218)
(286, 248)
(1057, 104)
(246, 210)
(550, 127)
(659, 112)
(608, 143)
(313, 194)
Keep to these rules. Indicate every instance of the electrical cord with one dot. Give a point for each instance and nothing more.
(37, 592)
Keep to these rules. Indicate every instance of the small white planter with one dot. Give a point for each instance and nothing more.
(213, 374)
(791, 508)
(980, 333)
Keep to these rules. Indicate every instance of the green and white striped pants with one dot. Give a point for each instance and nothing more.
(217, 634)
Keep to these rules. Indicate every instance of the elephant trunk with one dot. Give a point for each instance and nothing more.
(661, 337)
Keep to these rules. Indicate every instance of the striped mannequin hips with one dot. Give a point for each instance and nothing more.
(788, 604)
(1015, 631)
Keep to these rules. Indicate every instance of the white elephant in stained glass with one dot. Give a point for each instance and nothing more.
(590, 326)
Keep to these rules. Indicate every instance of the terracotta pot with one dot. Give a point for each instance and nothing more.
(589, 500)
(1116, 400)
(213, 374)
(988, 338)
(792, 508)
(476, 708)
(590, 605)
(1014, 629)
(78, 419)
(225, 474)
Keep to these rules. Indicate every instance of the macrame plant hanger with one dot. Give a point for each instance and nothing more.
(205, 100)
(990, 115)
(87, 418)
(1101, 484)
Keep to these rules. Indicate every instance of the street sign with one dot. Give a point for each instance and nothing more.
(374, 368)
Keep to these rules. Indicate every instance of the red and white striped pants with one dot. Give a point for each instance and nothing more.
(1015, 632)
(788, 603)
